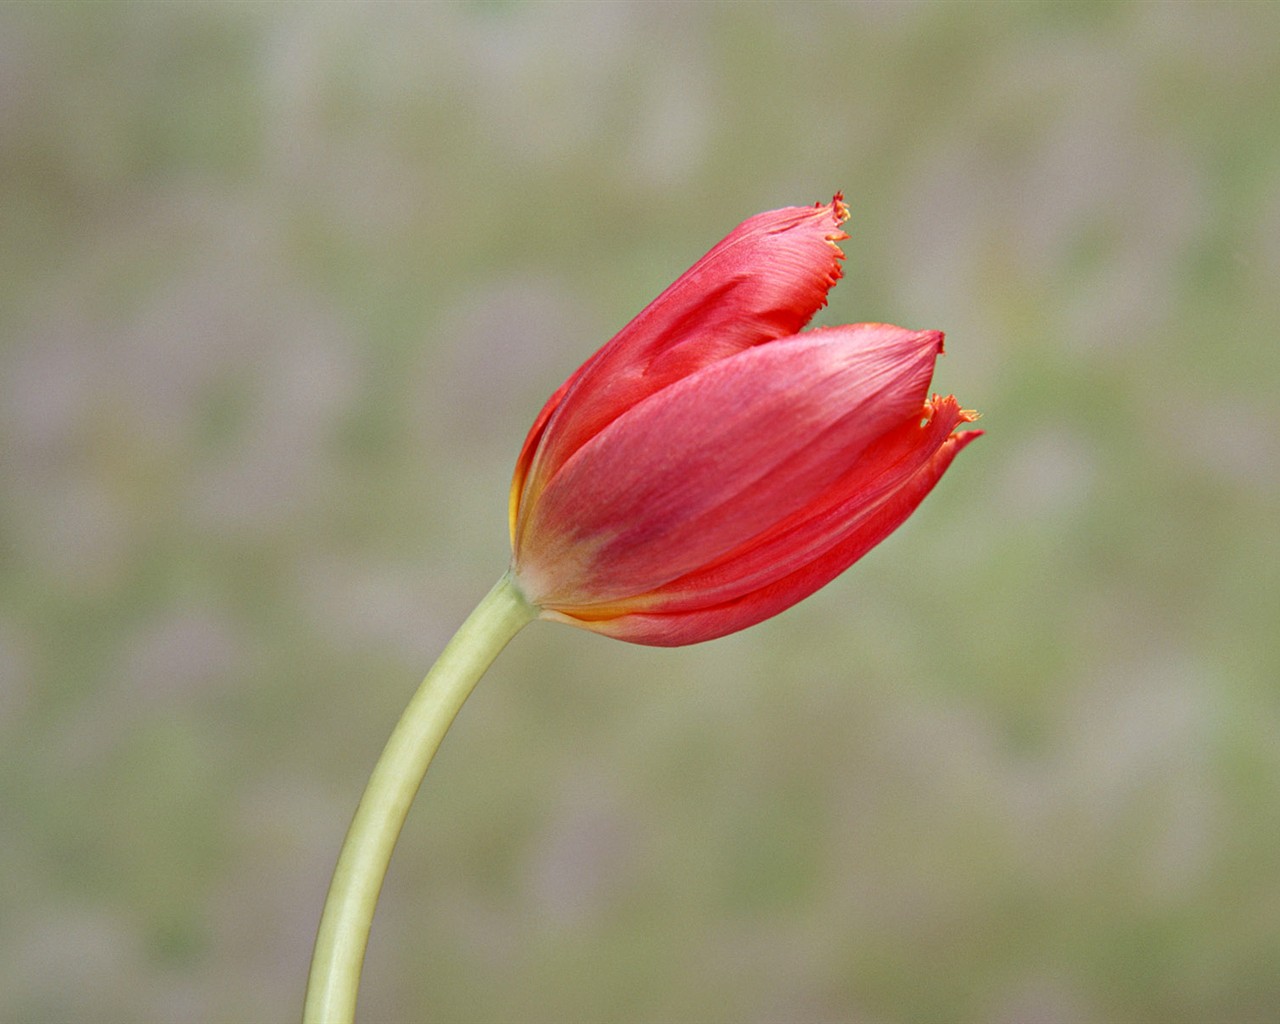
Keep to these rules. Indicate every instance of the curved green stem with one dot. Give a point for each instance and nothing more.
(366, 852)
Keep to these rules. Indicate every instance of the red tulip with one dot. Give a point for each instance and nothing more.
(709, 467)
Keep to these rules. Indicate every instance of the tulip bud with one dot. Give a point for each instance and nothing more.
(712, 464)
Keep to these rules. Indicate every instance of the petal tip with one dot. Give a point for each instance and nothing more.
(949, 406)
(839, 213)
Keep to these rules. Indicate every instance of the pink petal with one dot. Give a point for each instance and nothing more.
(714, 460)
(876, 478)
(688, 615)
(764, 281)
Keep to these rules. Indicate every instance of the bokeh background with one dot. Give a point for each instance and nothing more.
(281, 288)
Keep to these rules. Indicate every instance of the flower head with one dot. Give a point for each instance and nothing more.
(712, 465)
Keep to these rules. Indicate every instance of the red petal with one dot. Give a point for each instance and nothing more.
(764, 281)
(812, 534)
(715, 460)
(688, 615)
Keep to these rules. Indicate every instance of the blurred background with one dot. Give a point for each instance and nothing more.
(283, 286)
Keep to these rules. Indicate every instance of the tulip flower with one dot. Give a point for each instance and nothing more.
(709, 467)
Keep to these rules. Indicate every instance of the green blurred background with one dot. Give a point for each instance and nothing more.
(281, 289)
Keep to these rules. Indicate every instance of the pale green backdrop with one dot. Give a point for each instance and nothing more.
(281, 288)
